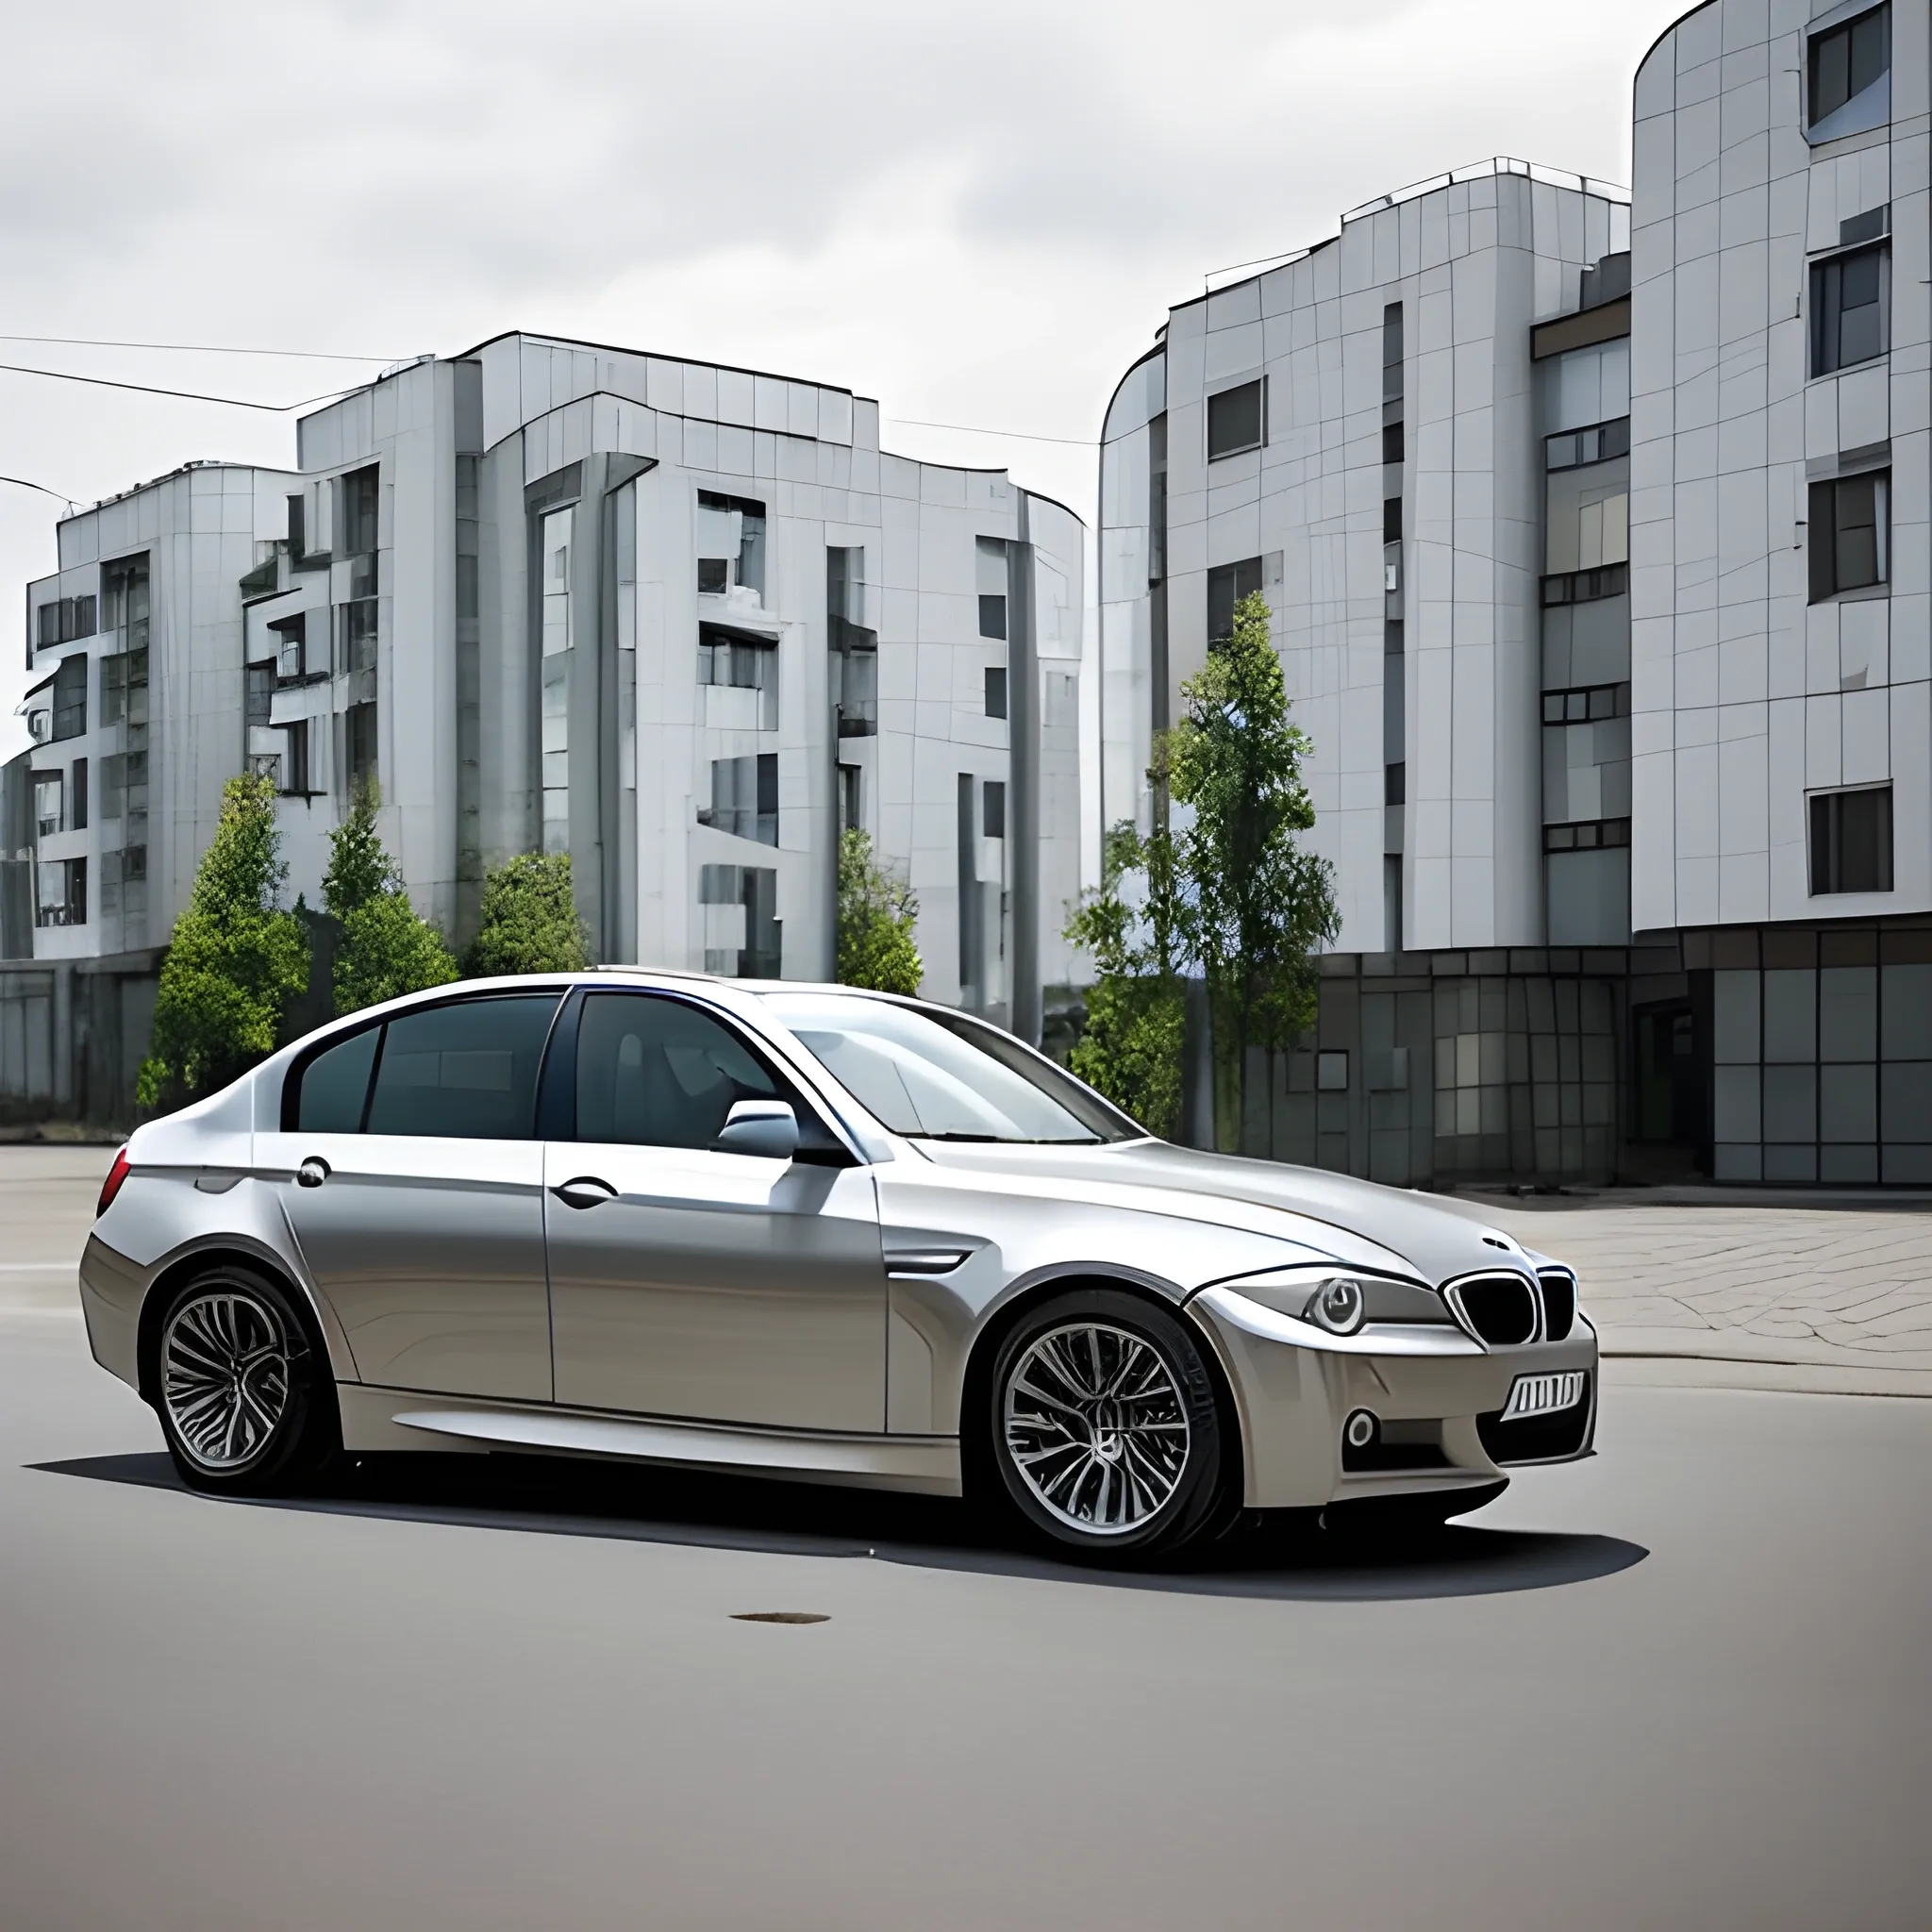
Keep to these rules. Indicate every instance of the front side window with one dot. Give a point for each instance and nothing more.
(656, 1073)
(1849, 534)
(467, 1071)
(1237, 420)
(49, 810)
(70, 697)
(945, 1077)
(1851, 840)
(1849, 308)
(1847, 59)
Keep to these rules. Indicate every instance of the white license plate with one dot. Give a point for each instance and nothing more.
(1545, 1394)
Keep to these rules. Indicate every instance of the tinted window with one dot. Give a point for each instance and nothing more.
(1234, 421)
(335, 1084)
(657, 1072)
(467, 1071)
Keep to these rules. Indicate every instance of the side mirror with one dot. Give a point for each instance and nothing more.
(767, 1129)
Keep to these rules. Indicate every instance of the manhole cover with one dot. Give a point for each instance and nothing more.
(779, 1617)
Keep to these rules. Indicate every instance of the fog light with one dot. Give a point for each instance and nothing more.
(1336, 1305)
(1359, 1431)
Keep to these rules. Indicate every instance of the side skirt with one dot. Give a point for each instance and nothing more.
(374, 1419)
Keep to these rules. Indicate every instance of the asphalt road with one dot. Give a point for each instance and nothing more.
(1684, 1685)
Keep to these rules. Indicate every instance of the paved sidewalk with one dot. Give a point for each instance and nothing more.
(1725, 1292)
(1753, 1295)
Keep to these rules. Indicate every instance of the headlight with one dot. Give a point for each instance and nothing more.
(1339, 1300)
(1336, 1305)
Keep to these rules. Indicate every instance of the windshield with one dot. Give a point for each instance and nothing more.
(945, 1078)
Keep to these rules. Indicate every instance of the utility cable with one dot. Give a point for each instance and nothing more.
(192, 395)
(970, 429)
(198, 348)
(58, 495)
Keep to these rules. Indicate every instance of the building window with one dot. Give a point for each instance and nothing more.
(70, 697)
(260, 691)
(993, 808)
(1237, 420)
(1391, 351)
(1596, 444)
(850, 799)
(292, 648)
(64, 620)
(296, 763)
(76, 815)
(1227, 584)
(124, 688)
(1851, 840)
(1849, 534)
(745, 797)
(60, 892)
(360, 721)
(747, 664)
(995, 690)
(49, 808)
(1392, 520)
(266, 765)
(1587, 704)
(1391, 442)
(718, 575)
(1849, 306)
(992, 616)
(1395, 783)
(1591, 835)
(740, 918)
(1587, 586)
(1846, 61)
(361, 496)
(358, 635)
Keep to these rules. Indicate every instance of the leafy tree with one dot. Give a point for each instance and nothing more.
(1256, 902)
(386, 949)
(1136, 1008)
(528, 920)
(877, 916)
(236, 962)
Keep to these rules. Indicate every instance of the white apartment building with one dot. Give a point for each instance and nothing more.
(682, 622)
(1359, 433)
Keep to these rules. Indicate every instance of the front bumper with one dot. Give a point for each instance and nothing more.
(1443, 1391)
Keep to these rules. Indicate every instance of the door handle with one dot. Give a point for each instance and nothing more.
(312, 1172)
(587, 1190)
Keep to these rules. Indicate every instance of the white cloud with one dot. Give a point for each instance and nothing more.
(978, 213)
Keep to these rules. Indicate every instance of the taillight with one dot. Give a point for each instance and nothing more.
(111, 1186)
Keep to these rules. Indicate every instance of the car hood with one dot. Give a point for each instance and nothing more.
(1439, 1241)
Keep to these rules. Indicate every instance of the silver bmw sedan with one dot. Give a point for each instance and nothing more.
(811, 1233)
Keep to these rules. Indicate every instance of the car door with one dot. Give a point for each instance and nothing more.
(414, 1181)
(690, 1282)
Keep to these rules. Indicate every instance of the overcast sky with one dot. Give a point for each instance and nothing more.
(976, 213)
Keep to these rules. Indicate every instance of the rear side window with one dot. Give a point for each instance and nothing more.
(467, 1072)
(335, 1086)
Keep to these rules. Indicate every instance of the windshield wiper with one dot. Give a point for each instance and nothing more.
(1012, 1139)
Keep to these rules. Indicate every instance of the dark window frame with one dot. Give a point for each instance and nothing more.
(1826, 282)
(1843, 42)
(1229, 583)
(1825, 814)
(996, 693)
(1232, 426)
(1836, 562)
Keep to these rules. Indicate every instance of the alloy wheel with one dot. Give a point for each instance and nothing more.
(1096, 1427)
(225, 1376)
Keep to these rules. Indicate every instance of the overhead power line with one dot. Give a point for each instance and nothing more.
(198, 348)
(192, 395)
(59, 496)
(973, 429)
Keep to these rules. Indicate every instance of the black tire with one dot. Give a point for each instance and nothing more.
(244, 1394)
(1099, 1472)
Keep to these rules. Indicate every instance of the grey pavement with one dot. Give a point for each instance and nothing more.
(1681, 1684)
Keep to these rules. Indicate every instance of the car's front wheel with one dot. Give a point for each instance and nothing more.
(243, 1398)
(1105, 1431)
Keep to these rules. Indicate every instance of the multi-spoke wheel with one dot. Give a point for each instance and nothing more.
(1106, 1431)
(235, 1384)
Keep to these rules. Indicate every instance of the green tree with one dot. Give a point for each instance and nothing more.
(1130, 1048)
(386, 949)
(1257, 903)
(528, 920)
(236, 962)
(877, 916)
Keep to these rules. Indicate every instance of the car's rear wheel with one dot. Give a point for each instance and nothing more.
(1106, 1431)
(244, 1399)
